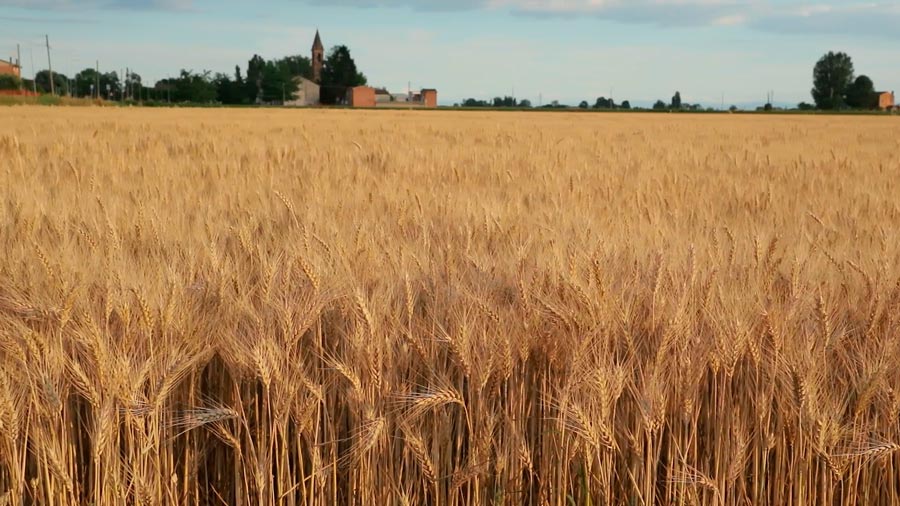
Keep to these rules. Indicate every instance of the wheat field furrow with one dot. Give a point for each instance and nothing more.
(474, 308)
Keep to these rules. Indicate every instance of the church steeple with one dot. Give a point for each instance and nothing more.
(318, 58)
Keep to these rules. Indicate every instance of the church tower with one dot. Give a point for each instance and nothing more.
(318, 58)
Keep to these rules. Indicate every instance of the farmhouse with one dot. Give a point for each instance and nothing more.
(885, 100)
(8, 67)
(307, 93)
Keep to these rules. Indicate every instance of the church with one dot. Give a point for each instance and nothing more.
(309, 91)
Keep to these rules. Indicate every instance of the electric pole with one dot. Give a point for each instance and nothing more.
(33, 73)
(19, 60)
(50, 65)
(97, 76)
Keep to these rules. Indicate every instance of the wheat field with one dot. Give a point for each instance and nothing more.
(261, 307)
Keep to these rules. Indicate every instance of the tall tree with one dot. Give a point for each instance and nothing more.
(253, 84)
(861, 94)
(296, 66)
(832, 76)
(86, 83)
(277, 84)
(228, 90)
(340, 69)
(676, 100)
(60, 82)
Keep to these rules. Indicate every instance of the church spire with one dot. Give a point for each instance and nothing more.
(318, 58)
(317, 44)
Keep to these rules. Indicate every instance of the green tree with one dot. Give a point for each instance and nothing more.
(832, 77)
(60, 82)
(189, 86)
(676, 100)
(861, 94)
(253, 84)
(525, 104)
(659, 105)
(296, 66)
(604, 103)
(228, 90)
(803, 106)
(86, 83)
(626, 105)
(340, 69)
(277, 83)
(583, 104)
(10, 82)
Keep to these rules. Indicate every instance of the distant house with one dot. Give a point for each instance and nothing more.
(361, 96)
(8, 67)
(382, 96)
(885, 100)
(307, 93)
(429, 97)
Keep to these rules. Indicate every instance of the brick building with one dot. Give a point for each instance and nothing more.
(885, 100)
(8, 67)
(429, 97)
(361, 96)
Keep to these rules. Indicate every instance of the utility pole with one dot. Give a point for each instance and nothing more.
(50, 66)
(97, 76)
(33, 73)
(19, 59)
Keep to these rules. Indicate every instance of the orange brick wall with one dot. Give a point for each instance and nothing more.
(361, 96)
(429, 97)
(886, 100)
(6, 68)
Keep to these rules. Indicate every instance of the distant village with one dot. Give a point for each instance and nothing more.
(309, 91)
(293, 81)
(333, 80)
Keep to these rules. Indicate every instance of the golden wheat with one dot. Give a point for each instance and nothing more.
(343, 307)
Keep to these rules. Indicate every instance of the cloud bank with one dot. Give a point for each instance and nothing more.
(789, 16)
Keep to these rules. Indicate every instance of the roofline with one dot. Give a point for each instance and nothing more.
(17, 65)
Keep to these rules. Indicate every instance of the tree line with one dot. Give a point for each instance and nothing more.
(260, 82)
(835, 85)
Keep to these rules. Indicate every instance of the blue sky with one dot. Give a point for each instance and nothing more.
(566, 50)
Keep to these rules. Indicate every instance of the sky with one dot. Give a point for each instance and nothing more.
(712, 51)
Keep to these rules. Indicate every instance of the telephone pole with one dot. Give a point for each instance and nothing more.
(97, 76)
(33, 73)
(50, 66)
(19, 61)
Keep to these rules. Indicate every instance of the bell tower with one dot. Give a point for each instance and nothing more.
(318, 58)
